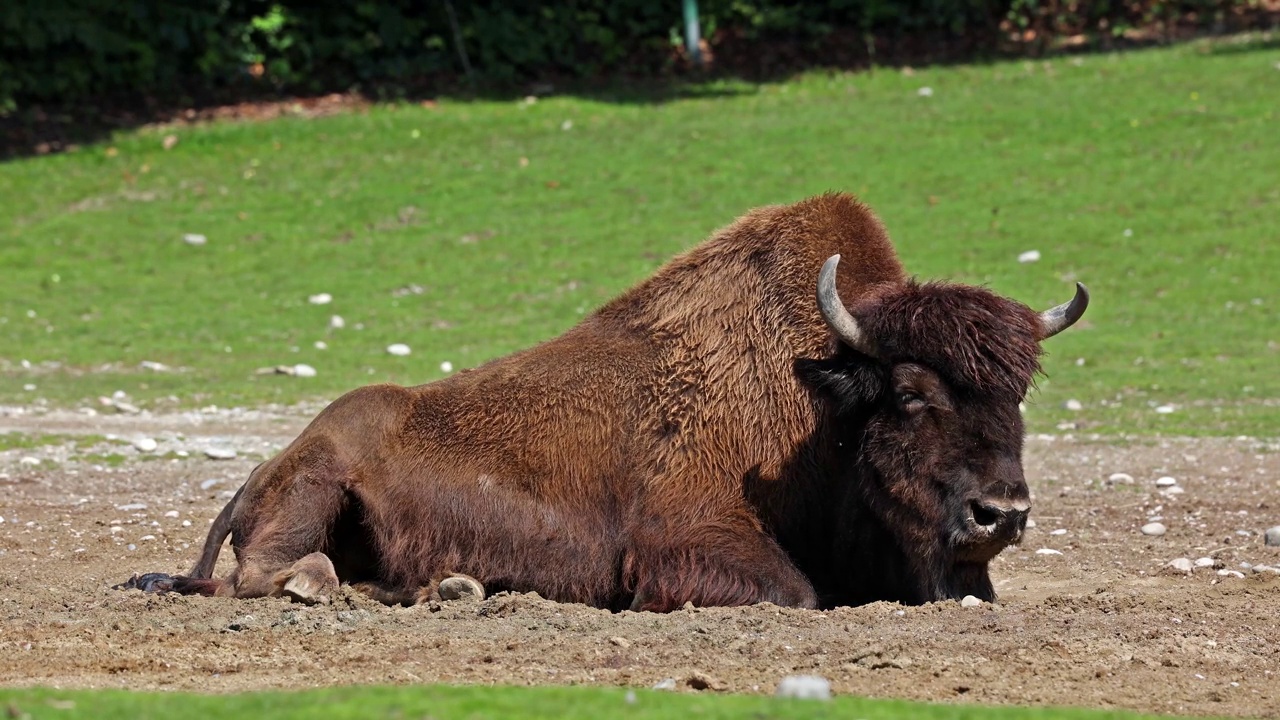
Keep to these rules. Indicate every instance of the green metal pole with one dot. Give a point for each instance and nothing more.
(691, 31)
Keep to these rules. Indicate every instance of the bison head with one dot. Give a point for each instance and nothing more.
(925, 390)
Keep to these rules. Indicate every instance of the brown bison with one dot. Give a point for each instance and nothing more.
(744, 426)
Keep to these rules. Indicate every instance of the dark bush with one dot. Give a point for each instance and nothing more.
(57, 52)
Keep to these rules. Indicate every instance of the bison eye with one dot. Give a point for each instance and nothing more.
(910, 402)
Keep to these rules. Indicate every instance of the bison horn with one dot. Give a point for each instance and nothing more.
(837, 316)
(1057, 319)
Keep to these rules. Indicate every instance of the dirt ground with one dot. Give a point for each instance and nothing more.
(1105, 623)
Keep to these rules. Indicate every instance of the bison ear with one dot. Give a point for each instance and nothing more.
(849, 382)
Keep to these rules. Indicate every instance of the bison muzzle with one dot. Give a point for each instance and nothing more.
(746, 425)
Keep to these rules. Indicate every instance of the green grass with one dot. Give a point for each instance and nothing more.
(553, 703)
(1152, 176)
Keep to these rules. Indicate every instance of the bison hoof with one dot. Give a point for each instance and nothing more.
(150, 582)
(310, 580)
(461, 587)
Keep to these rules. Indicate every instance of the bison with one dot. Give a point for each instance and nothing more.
(746, 425)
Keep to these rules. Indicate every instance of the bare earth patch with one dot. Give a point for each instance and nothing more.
(1104, 624)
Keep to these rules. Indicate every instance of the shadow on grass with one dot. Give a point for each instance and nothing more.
(738, 69)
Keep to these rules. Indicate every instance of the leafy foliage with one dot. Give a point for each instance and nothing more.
(55, 51)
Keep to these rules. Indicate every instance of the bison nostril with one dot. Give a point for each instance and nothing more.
(986, 515)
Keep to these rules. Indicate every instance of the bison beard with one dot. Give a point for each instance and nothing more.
(718, 435)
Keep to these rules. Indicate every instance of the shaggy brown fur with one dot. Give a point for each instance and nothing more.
(702, 438)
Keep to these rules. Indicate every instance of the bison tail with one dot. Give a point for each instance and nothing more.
(218, 533)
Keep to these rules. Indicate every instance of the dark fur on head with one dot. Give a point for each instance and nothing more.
(981, 343)
(935, 436)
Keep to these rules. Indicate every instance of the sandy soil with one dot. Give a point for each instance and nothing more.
(1104, 624)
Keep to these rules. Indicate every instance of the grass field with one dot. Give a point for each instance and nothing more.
(450, 703)
(471, 229)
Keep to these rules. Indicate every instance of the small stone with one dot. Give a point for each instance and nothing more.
(446, 366)
(1205, 562)
(124, 407)
(1029, 256)
(620, 642)
(1259, 569)
(146, 538)
(1059, 531)
(970, 601)
(206, 484)
(1175, 490)
(1182, 565)
(303, 370)
(131, 546)
(1154, 529)
(1120, 479)
(1231, 573)
(186, 523)
(28, 460)
(220, 453)
(702, 681)
(665, 684)
(182, 453)
(925, 91)
(29, 387)
(1165, 409)
(804, 687)
(1272, 536)
(1030, 523)
(322, 345)
(1048, 551)
(320, 299)
(337, 323)
(171, 514)
(145, 444)
(131, 507)
(1073, 405)
(399, 349)
(194, 239)
(1166, 481)
(152, 365)
(630, 697)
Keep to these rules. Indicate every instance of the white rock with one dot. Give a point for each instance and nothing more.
(186, 523)
(1120, 479)
(1030, 523)
(804, 687)
(1182, 565)
(1029, 256)
(1048, 551)
(337, 323)
(399, 349)
(171, 514)
(182, 453)
(194, 239)
(1165, 409)
(29, 387)
(131, 546)
(1264, 569)
(320, 299)
(1166, 481)
(1059, 531)
(1205, 562)
(446, 366)
(146, 444)
(1231, 573)
(322, 345)
(1073, 405)
(206, 484)
(303, 370)
(665, 684)
(147, 537)
(925, 91)
(220, 453)
(131, 507)
(1272, 536)
(152, 365)
(1154, 529)
(970, 601)
(1175, 490)
(28, 460)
